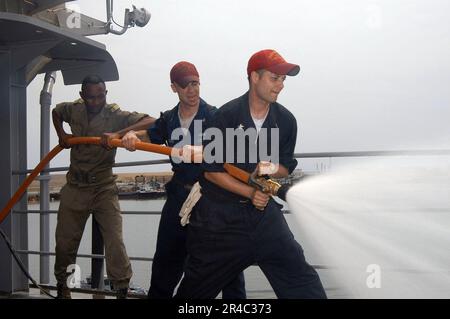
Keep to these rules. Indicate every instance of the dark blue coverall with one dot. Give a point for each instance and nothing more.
(170, 255)
(227, 233)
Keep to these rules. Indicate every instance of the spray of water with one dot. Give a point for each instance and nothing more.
(382, 228)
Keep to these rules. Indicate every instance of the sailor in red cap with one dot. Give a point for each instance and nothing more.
(234, 225)
(170, 255)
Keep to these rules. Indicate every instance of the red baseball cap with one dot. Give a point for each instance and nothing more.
(183, 73)
(272, 61)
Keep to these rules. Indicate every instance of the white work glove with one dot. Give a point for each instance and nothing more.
(266, 168)
(189, 203)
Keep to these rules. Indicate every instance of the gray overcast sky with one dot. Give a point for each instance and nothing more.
(375, 75)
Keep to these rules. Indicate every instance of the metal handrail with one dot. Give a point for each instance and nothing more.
(127, 212)
(96, 256)
(130, 212)
(373, 153)
(124, 164)
(92, 256)
(296, 155)
(165, 161)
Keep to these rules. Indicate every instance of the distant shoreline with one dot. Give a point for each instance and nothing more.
(130, 186)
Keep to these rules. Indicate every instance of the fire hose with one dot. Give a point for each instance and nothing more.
(265, 184)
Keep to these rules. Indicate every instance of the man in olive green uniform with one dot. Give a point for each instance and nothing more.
(90, 186)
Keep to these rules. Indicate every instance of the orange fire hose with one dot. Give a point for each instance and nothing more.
(27, 182)
(148, 147)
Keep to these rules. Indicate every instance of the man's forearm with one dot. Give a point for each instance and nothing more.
(143, 135)
(58, 124)
(230, 183)
(143, 124)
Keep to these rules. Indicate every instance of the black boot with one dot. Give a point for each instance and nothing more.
(63, 292)
(122, 293)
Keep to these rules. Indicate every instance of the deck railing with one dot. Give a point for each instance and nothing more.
(97, 254)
